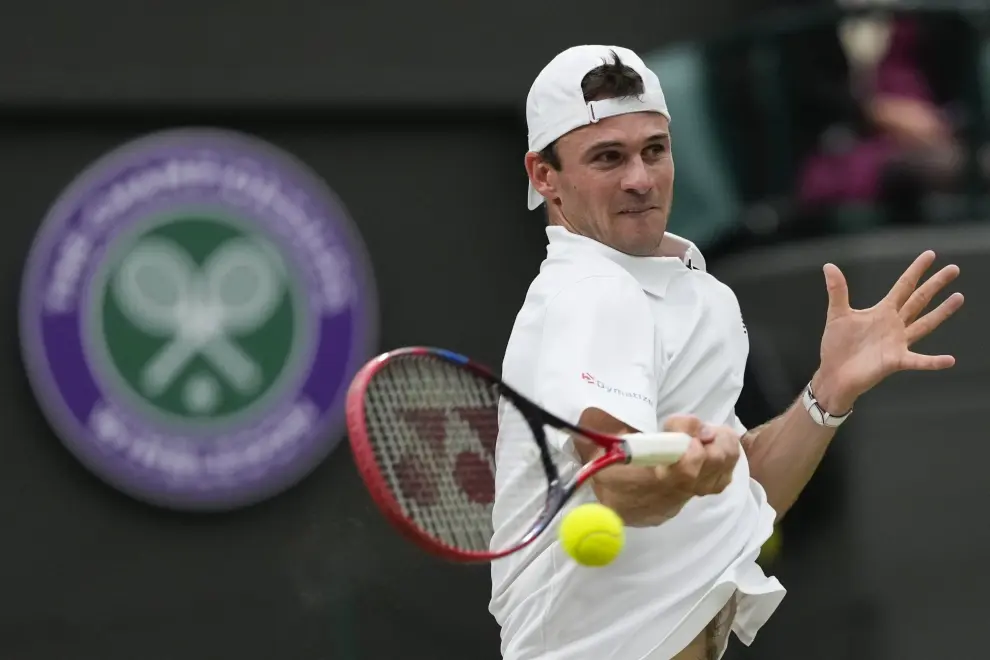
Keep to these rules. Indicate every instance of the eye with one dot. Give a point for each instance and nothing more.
(608, 157)
(658, 149)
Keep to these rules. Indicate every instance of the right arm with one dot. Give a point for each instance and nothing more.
(597, 368)
(632, 491)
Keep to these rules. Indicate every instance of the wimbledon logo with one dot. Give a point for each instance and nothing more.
(193, 310)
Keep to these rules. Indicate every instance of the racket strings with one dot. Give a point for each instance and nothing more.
(433, 427)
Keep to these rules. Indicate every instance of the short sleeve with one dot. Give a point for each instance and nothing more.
(597, 351)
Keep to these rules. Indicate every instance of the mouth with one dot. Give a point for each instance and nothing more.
(638, 211)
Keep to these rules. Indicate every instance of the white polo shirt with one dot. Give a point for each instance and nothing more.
(641, 338)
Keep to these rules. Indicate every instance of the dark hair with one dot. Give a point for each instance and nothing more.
(611, 80)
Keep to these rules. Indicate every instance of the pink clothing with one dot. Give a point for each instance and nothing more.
(855, 173)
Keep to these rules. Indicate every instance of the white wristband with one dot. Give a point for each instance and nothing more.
(821, 416)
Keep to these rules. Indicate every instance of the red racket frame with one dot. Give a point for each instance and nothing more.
(558, 493)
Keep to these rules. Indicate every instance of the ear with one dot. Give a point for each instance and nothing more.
(541, 175)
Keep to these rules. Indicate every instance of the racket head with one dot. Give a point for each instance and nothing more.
(423, 424)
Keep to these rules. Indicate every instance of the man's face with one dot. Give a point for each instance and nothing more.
(615, 183)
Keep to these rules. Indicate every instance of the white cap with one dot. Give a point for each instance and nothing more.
(556, 106)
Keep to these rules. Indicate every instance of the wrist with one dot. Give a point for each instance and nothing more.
(830, 396)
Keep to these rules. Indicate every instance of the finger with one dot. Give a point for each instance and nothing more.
(732, 454)
(715, 457)
(721, 458)
(723, 483)
(906, 283)
(716, 474)
(918, 362)
(920, 299)
(687, 468)
(729, 439)
(718, 483)
(706, 481)
(927, 323)
(838, 291)
(684, 424)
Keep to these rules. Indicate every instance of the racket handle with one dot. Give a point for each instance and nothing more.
(652, 449)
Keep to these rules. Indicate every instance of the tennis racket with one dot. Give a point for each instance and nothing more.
(423, 425)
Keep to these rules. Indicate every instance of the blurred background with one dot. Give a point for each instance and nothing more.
(804, 132)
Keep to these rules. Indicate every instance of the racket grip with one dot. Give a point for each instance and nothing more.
(652, 449)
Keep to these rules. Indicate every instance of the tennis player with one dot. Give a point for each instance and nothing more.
(624, 331)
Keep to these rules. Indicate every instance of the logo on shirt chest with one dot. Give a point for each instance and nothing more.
(609, 389)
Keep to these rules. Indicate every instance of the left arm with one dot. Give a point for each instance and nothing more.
(859, 349)
(784, 453)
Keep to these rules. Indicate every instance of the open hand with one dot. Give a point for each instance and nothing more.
(861, 347)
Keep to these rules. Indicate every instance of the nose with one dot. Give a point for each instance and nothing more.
(636, 177)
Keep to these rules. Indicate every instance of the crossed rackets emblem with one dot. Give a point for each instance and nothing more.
(200, 308)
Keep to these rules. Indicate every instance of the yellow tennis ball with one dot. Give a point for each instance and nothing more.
(592, 534)
(771, 548)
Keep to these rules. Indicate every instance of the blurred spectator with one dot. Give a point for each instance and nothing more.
(885, 114)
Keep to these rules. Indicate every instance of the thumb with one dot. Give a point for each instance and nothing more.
(838, 291)
(684, 424)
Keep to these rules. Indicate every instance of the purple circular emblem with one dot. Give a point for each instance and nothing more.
(193, 309)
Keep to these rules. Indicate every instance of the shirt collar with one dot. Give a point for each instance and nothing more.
(652, 273)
